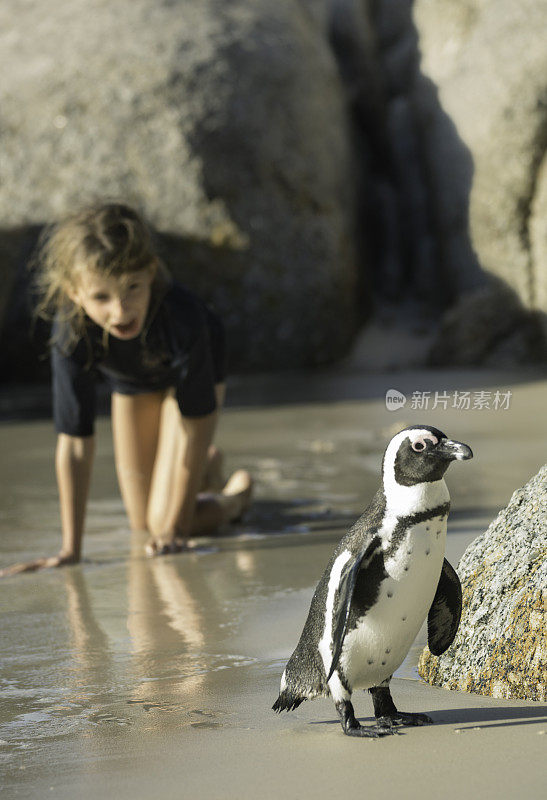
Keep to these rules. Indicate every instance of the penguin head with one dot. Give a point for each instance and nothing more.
(421, 454)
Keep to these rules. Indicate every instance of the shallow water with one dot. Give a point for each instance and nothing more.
(111, 665)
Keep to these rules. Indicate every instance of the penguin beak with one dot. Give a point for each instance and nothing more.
(453, 450)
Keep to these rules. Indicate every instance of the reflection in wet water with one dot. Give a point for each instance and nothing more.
(166, 627)
(116, 640)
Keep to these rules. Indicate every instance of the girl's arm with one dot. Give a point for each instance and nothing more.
(73, 462)
(190, 471)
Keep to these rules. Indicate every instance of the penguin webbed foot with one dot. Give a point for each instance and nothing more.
(372, 732)
(352, 727)
(387, 714)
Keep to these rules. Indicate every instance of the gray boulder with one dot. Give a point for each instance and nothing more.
(224, 121)
(501, 645)
(488, 61)
(489, 326)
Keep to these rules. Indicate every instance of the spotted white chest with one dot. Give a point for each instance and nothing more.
(377, 646)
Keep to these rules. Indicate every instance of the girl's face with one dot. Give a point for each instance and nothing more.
(119, 305)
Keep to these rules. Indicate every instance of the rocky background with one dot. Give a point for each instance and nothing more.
(501, 645)
(307, 164)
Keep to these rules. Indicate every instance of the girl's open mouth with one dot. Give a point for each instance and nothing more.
(126, 330)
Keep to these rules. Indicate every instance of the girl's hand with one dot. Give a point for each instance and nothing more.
(60, 560)
(164, 546)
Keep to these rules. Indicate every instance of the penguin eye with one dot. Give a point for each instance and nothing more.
(420, 444)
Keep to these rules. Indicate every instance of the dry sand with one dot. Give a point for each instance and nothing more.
(135, 678)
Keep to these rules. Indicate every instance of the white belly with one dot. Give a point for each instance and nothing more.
(378, 645)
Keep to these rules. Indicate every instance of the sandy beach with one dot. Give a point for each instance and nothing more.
(130, 677)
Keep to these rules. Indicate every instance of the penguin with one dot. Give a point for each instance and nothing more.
(385, 576)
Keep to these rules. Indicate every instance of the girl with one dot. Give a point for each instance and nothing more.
(119, 314)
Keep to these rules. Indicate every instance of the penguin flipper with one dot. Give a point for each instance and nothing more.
(346, 586)
(445, 612)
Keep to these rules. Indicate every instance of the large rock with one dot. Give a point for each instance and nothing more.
(377, 48)
(486, 148)
(224, 121)
(501, 645)
(489, 326)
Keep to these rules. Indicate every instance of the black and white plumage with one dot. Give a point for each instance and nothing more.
(385, 576)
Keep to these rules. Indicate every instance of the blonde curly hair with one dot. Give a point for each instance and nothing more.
(109, 238)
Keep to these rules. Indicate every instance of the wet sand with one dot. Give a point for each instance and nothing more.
(129, 677)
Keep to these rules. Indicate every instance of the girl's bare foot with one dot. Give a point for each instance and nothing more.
(237, 494)
(162, 547)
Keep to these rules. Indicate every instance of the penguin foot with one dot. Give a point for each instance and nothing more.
(401, 718)
(351, 727)
(386, 712)
(373, 732)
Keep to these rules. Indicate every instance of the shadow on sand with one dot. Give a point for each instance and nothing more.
(488, 717)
